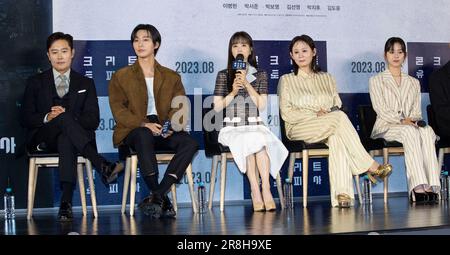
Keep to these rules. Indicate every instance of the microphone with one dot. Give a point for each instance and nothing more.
(239, 63)
(334, 108)
(421, 123)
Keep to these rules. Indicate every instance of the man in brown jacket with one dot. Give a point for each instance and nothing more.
(141, 98)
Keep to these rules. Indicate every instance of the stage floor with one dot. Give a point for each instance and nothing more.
(398, 217)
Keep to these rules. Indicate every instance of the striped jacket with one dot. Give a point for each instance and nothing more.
(391, 102)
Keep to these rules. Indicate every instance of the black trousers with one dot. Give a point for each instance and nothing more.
(66, 136)
(145, 144)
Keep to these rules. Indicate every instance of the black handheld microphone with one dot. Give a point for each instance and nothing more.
(239, 63)
(421, 123)
(334, 108)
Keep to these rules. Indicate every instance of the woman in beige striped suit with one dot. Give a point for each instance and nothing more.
(309, 104)
(396, 100)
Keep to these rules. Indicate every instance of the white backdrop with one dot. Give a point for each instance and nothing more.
(199, 30)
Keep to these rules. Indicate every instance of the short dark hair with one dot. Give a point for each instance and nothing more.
(154, 34)
(310, 42)
(389, 45)
(59, 36)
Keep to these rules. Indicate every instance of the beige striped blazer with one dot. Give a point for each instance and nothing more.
(392, 102)
(302, 96)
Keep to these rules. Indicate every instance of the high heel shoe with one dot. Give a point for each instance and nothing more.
(432, 197)
(344, 200)
(419, 198)
(257, 206)
(270, 206)
(381, 172)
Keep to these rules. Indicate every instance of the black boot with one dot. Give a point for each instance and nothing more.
(167, 208)
(65, 212)
(152, 205)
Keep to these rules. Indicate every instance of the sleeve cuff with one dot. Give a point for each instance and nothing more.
(45, 118)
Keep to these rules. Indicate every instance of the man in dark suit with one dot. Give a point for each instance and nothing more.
(439, 85)
(60, 111)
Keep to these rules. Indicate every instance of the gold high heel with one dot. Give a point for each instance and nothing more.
(270, 206)
(257, 206)
(344, 200)
(381, 172)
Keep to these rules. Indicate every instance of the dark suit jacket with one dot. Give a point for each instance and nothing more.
(439, 85)
(128, 98)
(38, 100)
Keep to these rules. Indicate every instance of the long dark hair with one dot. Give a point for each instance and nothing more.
(238, 37)
(310, 42)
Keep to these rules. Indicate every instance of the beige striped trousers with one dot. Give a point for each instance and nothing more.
(347, 157)
(420, 154)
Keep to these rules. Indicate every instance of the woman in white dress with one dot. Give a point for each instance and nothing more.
(241, 90)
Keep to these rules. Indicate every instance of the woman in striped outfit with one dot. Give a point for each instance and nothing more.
(309, 104)
(396, 100)
(243, 93)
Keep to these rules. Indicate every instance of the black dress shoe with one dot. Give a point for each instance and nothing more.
(65, 212)
(110, 172)
(144, 202)
(167, 208)
(152, 205)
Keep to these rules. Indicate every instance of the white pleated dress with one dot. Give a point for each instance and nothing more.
(247, 140)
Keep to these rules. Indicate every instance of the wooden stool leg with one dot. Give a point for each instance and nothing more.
(126, 184)
(280, 191)
(292, 157)
(35, 177)
(90, 176)
(441, 158)
(223, 175)
(385, 180)
(358, 188)
(134, 161)
(441, 163)
(191, 188)
(173, 190)
(31, 176)
(212, 184)
(305, 158)
(81, 188)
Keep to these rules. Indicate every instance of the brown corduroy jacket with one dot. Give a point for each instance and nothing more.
(128, 99)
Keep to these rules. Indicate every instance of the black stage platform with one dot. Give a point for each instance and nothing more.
(396, 217)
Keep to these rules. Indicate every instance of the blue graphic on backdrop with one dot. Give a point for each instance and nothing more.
(424, 58)
(100, 59)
